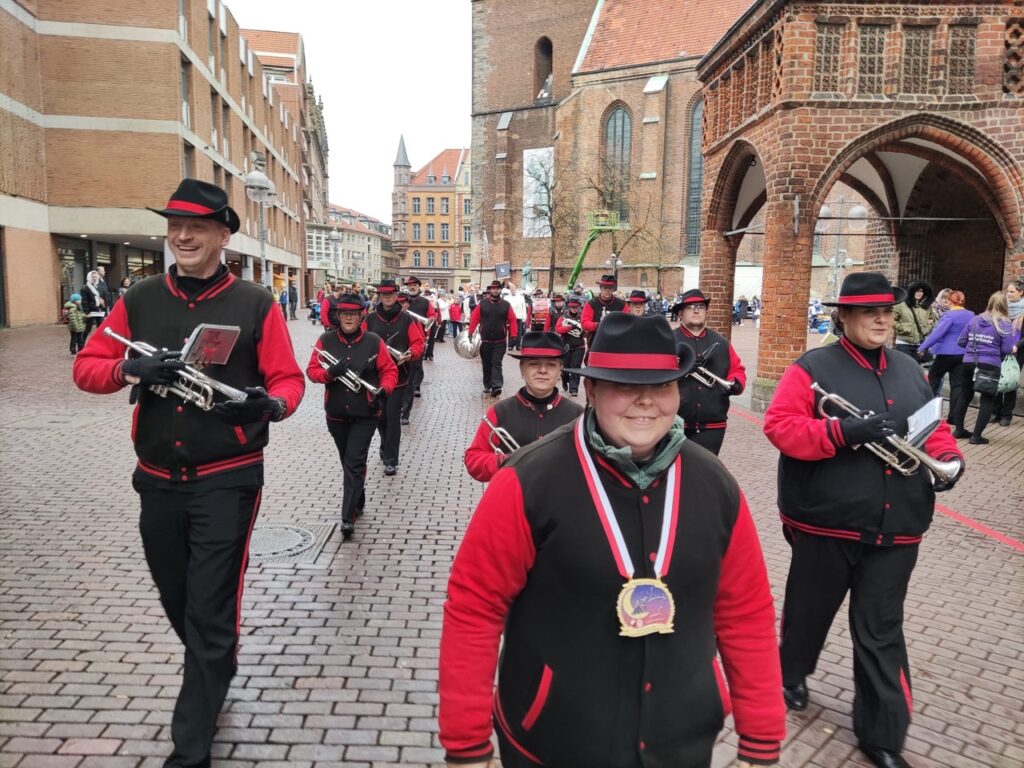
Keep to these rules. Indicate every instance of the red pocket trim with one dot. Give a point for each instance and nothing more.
(240, 434)
(539, 700)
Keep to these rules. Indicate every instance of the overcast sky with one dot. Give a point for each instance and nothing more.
(383, 68)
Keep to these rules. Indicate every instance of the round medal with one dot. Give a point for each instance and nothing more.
(645, 607)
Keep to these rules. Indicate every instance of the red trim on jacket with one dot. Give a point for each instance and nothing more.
(387, 371)
(241, 571)
(233, 463)
(499, 715)
(149, 469)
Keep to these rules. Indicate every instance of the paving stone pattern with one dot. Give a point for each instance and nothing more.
(338, 659)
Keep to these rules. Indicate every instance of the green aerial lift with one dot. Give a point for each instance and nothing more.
(598, 222)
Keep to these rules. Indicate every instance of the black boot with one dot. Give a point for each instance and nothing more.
(796, 696)
(347, 528)
(883, 758)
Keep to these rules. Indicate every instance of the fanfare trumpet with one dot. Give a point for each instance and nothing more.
(427, 324)
(899, 453)
(193, 386)
(500, 439)
(397, 354)
(349, 378)
(572, 323)
(708, 379)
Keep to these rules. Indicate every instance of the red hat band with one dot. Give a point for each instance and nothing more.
(634, 361)
(869, 298)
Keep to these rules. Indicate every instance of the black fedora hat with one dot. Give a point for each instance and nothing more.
(413, 280)
(694, 296)
(608, 281)
(867, 289)
(637, 297)
(201, 200)
(494, 284)
(629, 349)
(387, 286)
(540, 345)
(349, 302)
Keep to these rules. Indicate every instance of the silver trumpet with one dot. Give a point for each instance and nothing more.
(899, 453)
(500, 439)
(193, 386)
(349, 378)
(576, 325)
(427, 324)
(708, 379)
(396, 354)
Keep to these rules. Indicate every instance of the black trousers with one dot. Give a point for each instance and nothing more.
(77, 342)
(986, 403)
(491, 354)
(197, 549)
(711, 439)
(410, 390)
(572, 359)
(439, 332)
(352, 438)
(428, 350)
(822, 571)
(941, 365)
(389, 427)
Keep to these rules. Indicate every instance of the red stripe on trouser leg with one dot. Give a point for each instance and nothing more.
(905, 685)
(241, 572)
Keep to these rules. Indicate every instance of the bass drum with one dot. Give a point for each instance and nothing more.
(467, 347)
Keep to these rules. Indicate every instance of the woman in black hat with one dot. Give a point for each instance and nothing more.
(854, 522)
(618, 559)
(536, 410)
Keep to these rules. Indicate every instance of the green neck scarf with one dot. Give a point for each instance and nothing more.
(642, 476)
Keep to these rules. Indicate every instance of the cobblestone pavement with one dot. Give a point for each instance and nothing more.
(338, 661)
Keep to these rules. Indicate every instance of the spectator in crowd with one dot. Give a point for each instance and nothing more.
(913, 318)
(517, 301)
(455, 317)
(941, 304)
(76, 322)
(282, 299)
(293, 299)
(942, 343)
(103, 287)
(126, 283)
(1005, 403)
(93, 303)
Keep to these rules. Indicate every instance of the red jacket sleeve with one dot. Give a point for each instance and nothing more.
(387, 371)
(325, 308)
(489, 571)
(736, 370)
(417, 340)
(97, 367)
(276, 362)
(547, 322)
(474, 319)
(791, 425)
(589, 324)
(481, 459)
(314, 371)
(744, 616)
(513, 324)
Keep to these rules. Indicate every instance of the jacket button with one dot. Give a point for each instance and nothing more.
(540, 415)
(191, 305)
(645, 498)
(184, 477)
(654, 556)
(179, 409)
(887, 506)
(177, 443)
(888, 471)
(890, 402)
(647, 687)
(643, 745)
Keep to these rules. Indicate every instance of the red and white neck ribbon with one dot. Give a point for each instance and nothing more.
(669, 517)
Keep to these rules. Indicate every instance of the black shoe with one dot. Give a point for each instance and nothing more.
(883, 758)
(795, 696)
(441, 341)
(978, 441)
(390, 470)
(1004, 422)
(347, 528)
(960, 434)
(417, 393)
(495, 393)
(405, 421)
(994, 419)
(573, 393)
(487, 390)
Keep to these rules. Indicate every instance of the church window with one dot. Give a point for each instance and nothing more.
(543, 55)
(618, 135)
(694, 182)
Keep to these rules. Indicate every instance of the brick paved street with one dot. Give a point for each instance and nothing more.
(338, 661)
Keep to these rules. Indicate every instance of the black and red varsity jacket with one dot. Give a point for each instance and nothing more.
(526, 418)
(400, 331)
(494, 319)
(708, 407)
(827, 488)
(595, 309)
(571, 334)
(175, 441)
(366, 356)
(536, 565)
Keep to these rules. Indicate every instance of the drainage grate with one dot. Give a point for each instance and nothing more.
(289, 544)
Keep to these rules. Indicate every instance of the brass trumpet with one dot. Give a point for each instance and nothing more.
(708, 379)
(427, 324)
(500, 440)
(193, 386)
(349, 378)
(899, 453)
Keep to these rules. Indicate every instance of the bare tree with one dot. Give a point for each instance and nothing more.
(553, 209)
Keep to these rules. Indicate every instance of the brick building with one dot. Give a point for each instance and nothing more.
(349, 246)
(103, 108)
(431, 218)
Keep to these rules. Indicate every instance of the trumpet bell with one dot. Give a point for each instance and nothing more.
(466, 346)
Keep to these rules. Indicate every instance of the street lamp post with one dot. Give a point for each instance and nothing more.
(261, 190)
(840, 259)
(614, 263)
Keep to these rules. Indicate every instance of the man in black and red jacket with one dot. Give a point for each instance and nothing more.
(570, 326)
(854, 522)
(537, 409)
(419, 304)
(329, 307)
(619, 561)
(598, 307)
(199, 473)
(495, 317)
(703, 408)
(352, 407)
(401, 333)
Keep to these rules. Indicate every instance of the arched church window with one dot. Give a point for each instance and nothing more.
(694, 181)
(618, 137)
(543, 56)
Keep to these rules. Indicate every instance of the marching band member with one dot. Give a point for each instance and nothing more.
(570, 326)
(606, 301)
(581, 552)
(854, 522)
(420, 305)
(494, 316)
(352, 411)
(329, 307)
(534, 411)
(705, 409)
(402, 333)
(636, 304)
(555, 312)
(200, 473)
(540, 310)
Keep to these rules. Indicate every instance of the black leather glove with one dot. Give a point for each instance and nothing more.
(736, 387)
(858, 430)
(338, 370)
(379, 397)
(160, 368)
(259, 406)
(945, 485)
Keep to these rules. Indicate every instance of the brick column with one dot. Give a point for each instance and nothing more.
(786, 286)
(717, 275)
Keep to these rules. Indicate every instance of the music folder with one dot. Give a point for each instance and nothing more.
(210, 344)
(922, 422)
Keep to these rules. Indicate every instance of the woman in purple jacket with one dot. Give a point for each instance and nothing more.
(986, 340)
(941, 342)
